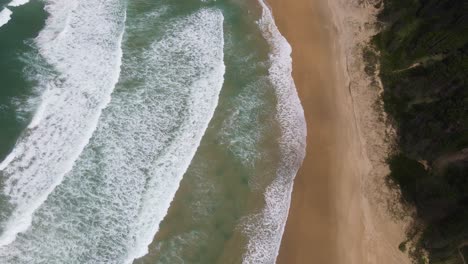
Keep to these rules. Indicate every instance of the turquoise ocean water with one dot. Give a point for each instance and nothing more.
(164, 131)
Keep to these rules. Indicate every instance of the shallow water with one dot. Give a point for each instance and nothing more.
(197, 145)
(17, 53)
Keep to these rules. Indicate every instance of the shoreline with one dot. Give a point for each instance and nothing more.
(308, 233)
(339, 209)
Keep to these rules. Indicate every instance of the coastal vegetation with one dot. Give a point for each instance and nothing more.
(423, 53)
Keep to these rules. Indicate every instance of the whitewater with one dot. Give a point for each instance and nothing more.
(265, 229)
(5, 14)
(109, 205)
(87, 69)
(128, 92)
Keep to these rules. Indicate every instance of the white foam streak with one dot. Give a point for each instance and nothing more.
(265, 230)
(109, 206)
(5, 16)
(207, 37)
(87, 60)
(18, 3)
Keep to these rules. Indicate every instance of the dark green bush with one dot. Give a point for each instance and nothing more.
(424, 70)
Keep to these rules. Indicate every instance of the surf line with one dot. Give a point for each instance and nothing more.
(48, 150)
(265, 229)
(202, 38)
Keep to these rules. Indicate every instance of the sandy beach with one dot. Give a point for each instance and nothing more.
(339, 210)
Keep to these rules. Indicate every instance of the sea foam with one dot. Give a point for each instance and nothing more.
(18, 2)
(265, 229)
(190, 63)
(108, 208)
(81, 41)
(5, 16)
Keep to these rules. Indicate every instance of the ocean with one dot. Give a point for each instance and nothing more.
(141, 131)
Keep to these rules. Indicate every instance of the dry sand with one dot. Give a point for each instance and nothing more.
(339, 211)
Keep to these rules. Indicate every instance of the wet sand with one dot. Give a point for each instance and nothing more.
(330, 219)
(312, 228)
